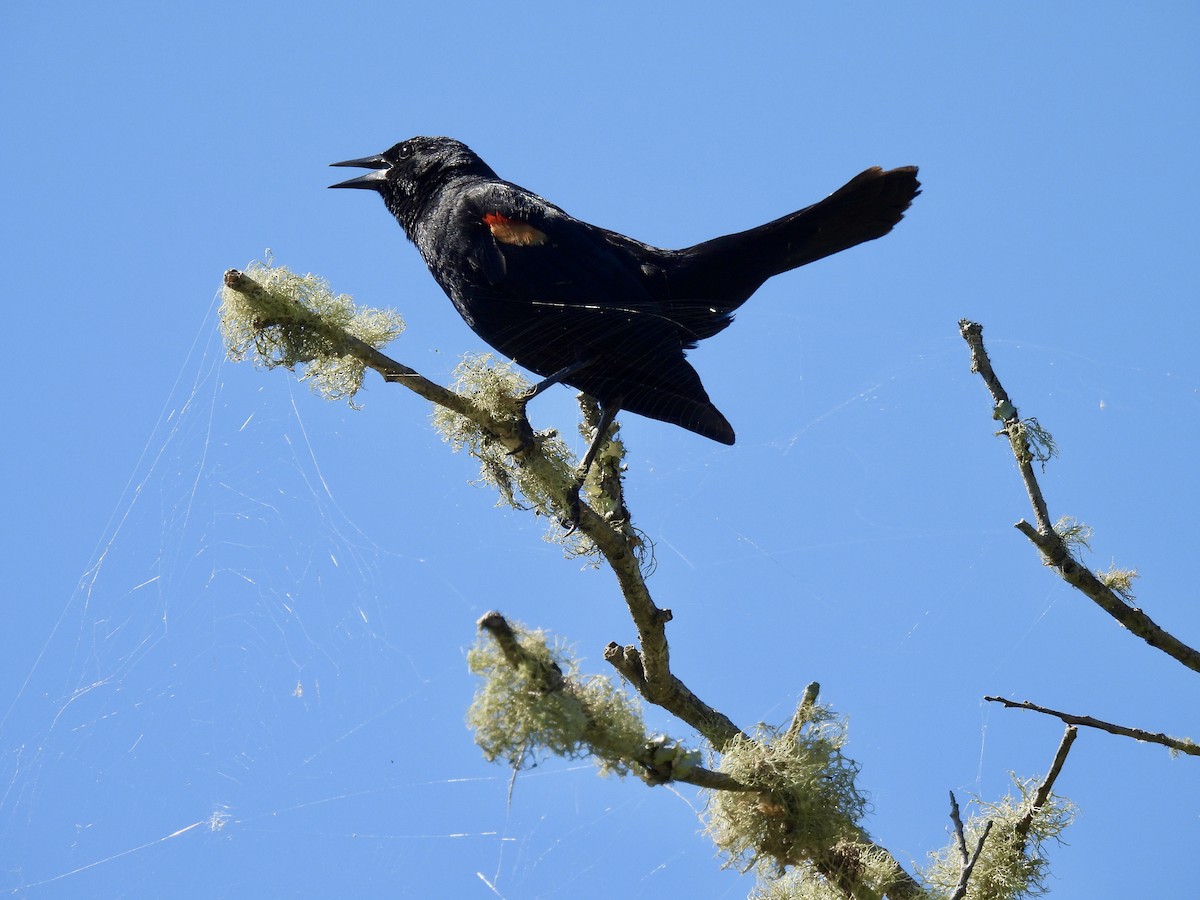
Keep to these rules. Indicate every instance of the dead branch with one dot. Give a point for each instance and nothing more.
(1051, 544)
(1180, 745)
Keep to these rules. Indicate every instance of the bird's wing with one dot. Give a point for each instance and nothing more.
(538, 266)
(551, 291)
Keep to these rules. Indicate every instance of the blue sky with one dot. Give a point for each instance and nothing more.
(235, 605)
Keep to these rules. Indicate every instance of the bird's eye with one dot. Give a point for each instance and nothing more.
(405, 151)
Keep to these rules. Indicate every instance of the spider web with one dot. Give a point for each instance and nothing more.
(257, 687)
(251, 693)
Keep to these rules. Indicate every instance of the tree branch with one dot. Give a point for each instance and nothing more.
(1057, 555)
(348, 345)
(659, 760)
(647, 665)
(1006, 412)
(1180, 745)
(968, 859)
(1047, 785)
(1051, 544)
(616, 545)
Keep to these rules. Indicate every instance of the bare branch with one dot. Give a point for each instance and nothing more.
(968, 859)
(1006, 413)
(628, 661)
(651, 675)
(1181, 745)
(1054, 549)
(1047, 785)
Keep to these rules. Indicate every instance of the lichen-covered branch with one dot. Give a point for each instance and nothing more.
(793, 788)
(532, 699)
(272, 309)
(1011, 862)
(1056, 553)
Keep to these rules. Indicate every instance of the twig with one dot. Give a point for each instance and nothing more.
(1053, 548)
(1181, 745)
(803, 712)
(697, 776)
(1021, 830)
(972, 333)
(968, 859)
(1043, 792)
(548, 678)
(347, 344)
(1055, 551)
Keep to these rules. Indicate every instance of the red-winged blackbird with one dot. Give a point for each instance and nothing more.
(595, 309)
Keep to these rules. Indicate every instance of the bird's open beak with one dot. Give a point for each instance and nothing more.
(372, 180)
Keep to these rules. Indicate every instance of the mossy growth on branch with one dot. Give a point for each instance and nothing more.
(807, 800)
(533, 702)
(497, 388)
(295, 321)
(868, 877)
(1119, 581)
(1075, 534)
(1013, 863)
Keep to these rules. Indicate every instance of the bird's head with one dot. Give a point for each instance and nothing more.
(409, 175)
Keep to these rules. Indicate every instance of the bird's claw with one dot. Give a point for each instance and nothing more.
(528, 440)
(570, 521)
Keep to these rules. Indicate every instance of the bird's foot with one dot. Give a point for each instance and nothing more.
(570, 520)
(525, 435)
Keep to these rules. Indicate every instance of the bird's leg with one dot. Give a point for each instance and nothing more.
(608, 412)
(527, 437)
(557, 378)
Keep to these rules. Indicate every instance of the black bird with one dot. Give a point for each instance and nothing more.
(592, 308)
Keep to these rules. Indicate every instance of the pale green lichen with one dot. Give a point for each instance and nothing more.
(497, 388)
(874, 872)
(543, 706)
(1011, 865)
(295, 321)
(1031, 442)
(1073, 533)
(807, 800)
(1078, 535)
(1119, 581)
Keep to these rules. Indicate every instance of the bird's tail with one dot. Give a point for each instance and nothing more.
(725, 271)
(664, 387)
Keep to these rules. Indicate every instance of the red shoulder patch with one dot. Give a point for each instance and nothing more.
(512, 231)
